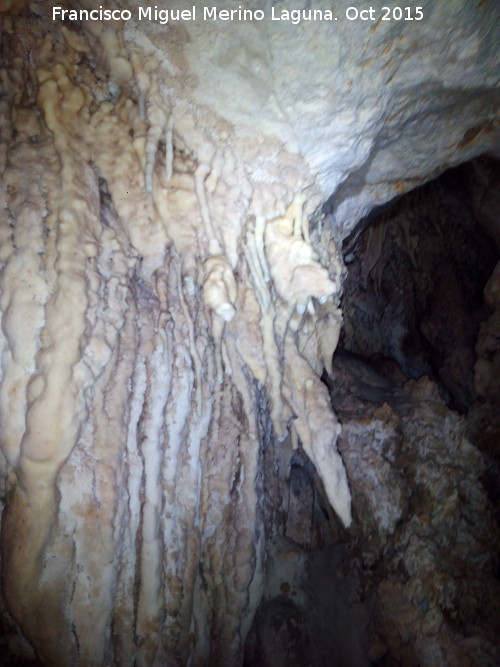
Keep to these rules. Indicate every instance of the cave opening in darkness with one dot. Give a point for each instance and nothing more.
(420, 296)
(414, 383)
(414, 291)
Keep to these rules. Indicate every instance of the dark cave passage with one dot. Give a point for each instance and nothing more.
(414, 384)
(414, 291)
(420, 299)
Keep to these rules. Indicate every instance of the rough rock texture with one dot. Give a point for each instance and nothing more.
(426, 535)
(167, 309)
(415, 580)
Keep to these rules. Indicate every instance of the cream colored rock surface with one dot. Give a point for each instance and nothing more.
(152, 333)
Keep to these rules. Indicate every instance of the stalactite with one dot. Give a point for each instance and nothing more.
(141, 438)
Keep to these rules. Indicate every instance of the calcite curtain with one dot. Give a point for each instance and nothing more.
(170, 294)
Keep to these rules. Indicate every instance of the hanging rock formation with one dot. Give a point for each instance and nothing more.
(169, 301)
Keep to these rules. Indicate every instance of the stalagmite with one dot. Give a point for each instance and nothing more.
(167, 307)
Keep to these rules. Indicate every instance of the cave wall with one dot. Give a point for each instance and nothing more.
(169, 301)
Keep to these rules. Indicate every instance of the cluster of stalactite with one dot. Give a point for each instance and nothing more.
(151, 294)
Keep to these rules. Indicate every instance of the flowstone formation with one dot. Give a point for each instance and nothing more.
(169, 298)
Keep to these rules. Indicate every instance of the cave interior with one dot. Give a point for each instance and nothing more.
(418, 330)
(249, 343)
